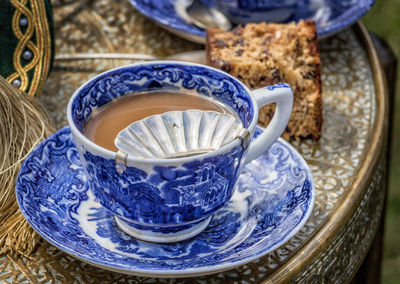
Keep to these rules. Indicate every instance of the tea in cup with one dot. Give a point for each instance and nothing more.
(104, 124)
(169, 199)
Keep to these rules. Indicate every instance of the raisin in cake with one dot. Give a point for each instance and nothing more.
(264, 54)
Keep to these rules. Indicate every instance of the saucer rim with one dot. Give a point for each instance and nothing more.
(194, 34)
(187, 272)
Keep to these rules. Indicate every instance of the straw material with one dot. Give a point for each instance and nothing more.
(23, 124)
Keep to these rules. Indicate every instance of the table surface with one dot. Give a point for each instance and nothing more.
(347, 162)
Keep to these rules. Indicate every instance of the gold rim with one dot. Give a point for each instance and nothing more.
(339, 219)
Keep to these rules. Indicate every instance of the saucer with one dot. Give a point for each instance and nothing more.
(330, 16)
(273, 199)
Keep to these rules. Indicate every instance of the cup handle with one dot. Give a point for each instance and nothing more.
(282, 95)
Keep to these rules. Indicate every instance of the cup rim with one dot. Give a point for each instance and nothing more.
(108, 154)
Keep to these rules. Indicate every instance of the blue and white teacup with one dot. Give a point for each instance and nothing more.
(168, 200)
(245, 11)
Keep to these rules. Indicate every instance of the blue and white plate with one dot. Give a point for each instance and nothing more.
(273, 199)
(331, 16)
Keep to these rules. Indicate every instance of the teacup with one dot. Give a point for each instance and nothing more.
(168, 200)
(245, 11)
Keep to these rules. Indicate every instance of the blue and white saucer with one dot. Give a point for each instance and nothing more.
(330, 16)
(273, 199)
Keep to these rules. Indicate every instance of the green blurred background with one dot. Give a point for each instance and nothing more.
(384, 20)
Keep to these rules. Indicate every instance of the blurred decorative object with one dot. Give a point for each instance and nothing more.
(331, 16)
(23, 124)
(244, 11)
(26, 43)
(202, 15)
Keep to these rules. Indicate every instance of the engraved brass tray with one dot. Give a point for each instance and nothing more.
(348, 162)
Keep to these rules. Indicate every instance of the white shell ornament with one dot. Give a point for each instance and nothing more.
(178, 134)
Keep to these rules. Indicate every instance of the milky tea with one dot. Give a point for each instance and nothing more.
(105, 123)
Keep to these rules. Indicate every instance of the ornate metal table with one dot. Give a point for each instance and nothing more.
(348, 162)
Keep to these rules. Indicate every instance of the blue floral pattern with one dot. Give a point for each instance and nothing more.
(115, 83)
(171, 195)
(273, 199)
(329, 15)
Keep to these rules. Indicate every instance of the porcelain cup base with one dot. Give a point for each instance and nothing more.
(159, 234)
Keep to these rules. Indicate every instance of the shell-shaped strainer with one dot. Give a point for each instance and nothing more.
(178, 134)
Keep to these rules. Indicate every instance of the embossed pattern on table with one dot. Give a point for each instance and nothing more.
(349, 115)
